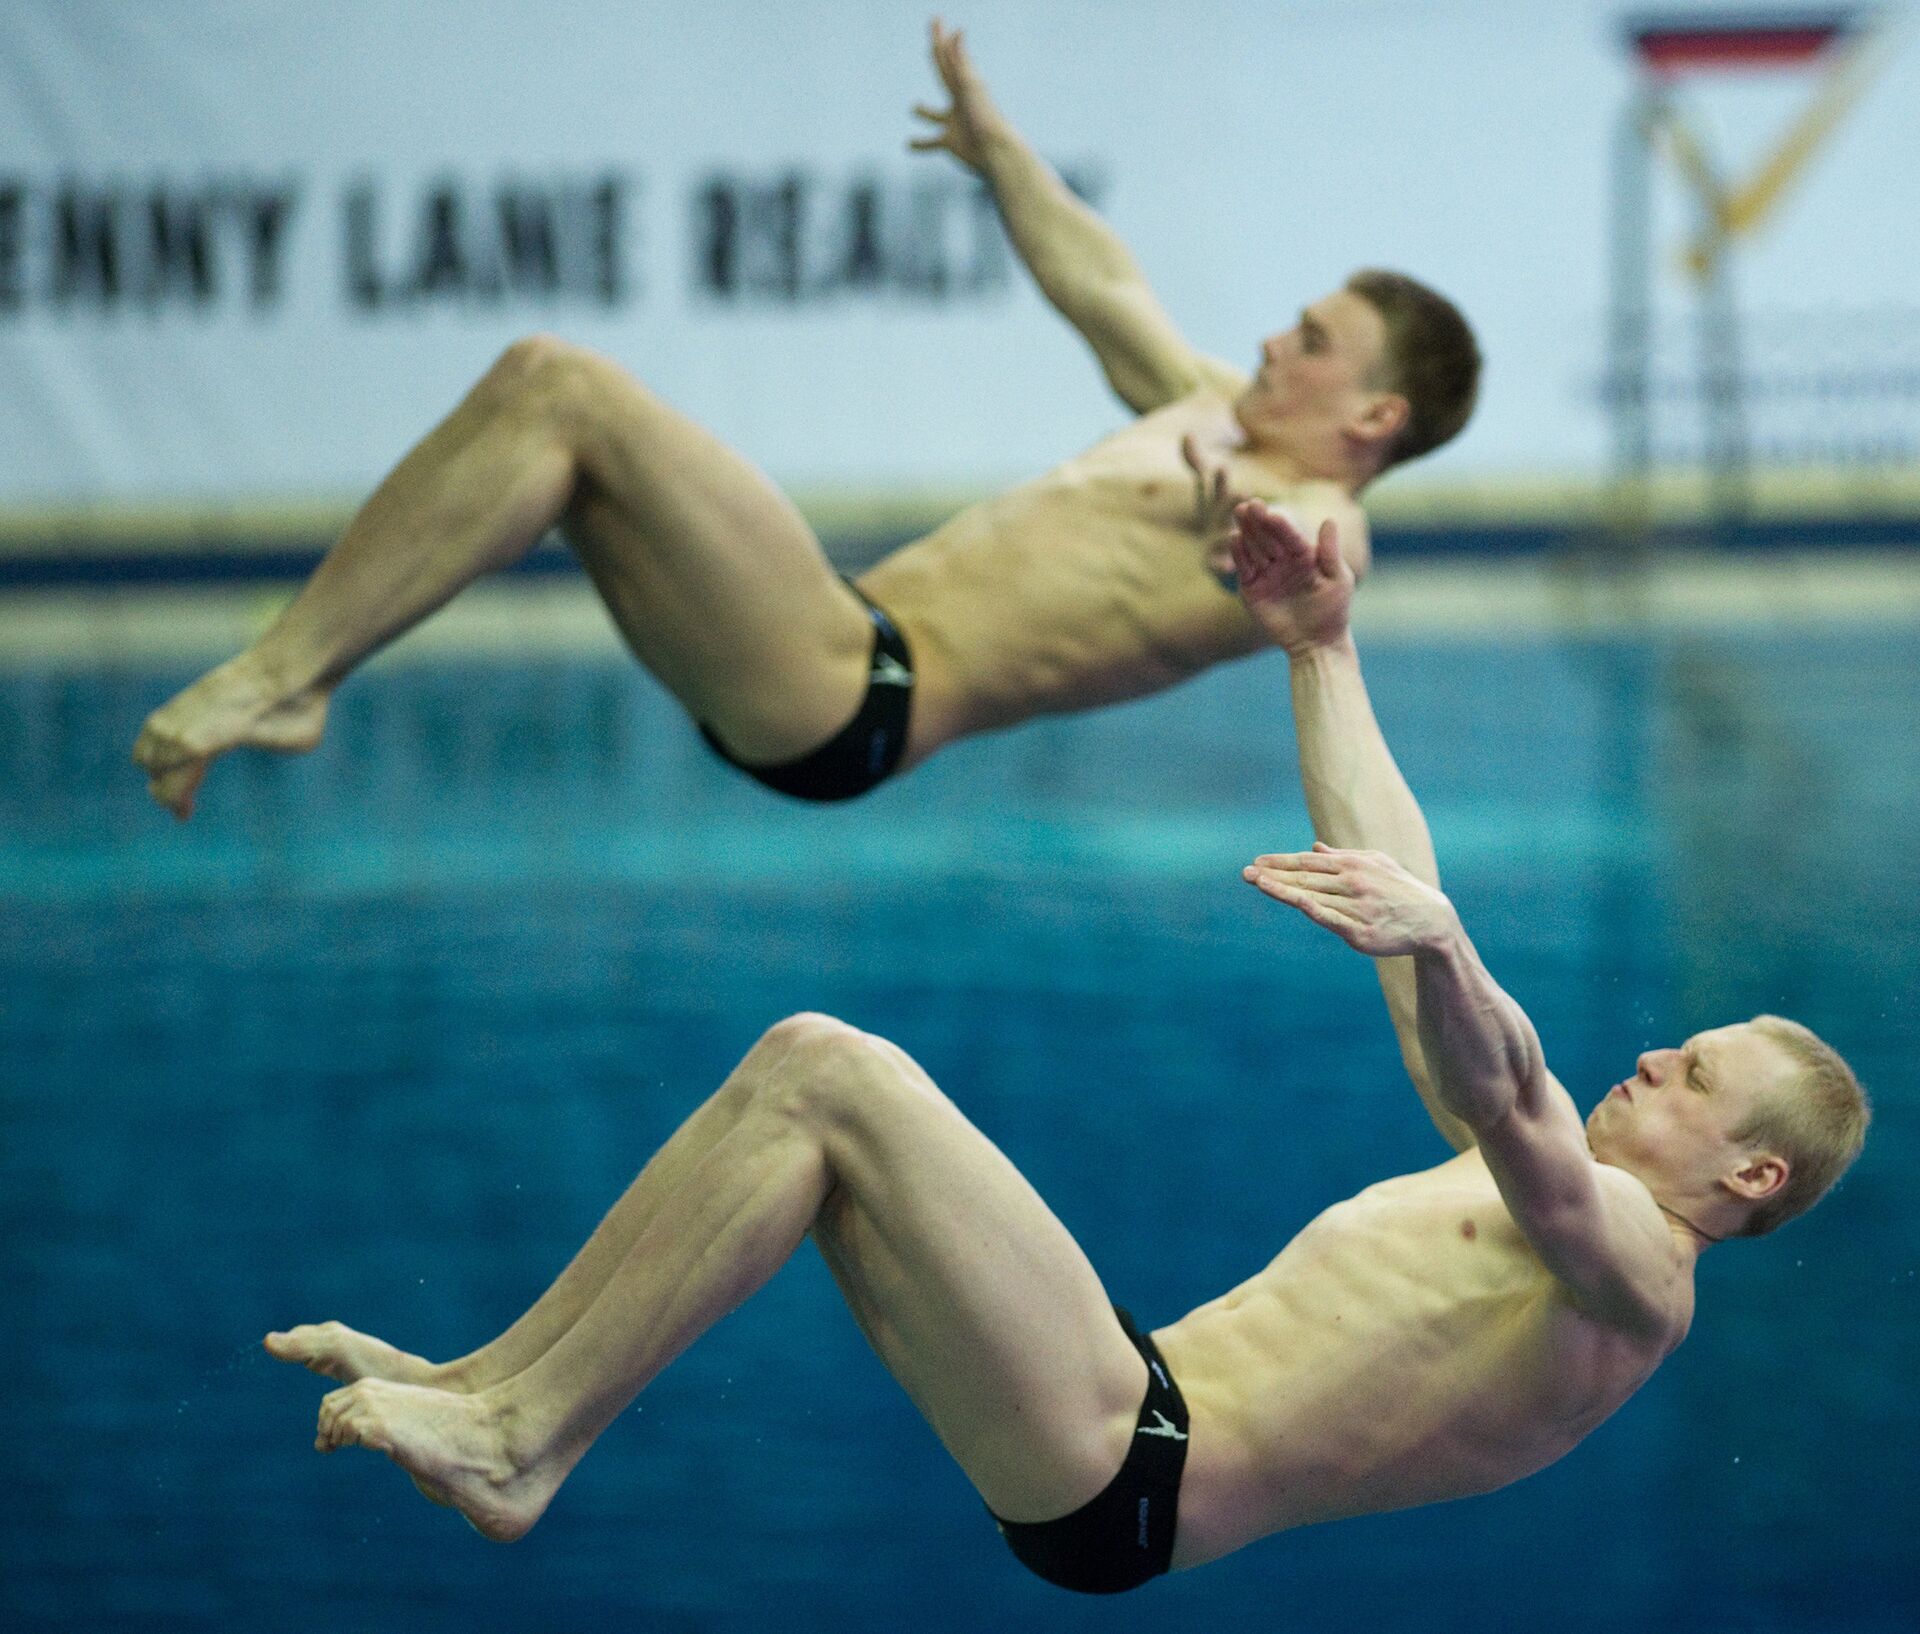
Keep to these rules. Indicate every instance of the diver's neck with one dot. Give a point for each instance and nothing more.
(1688, 1233)
(1305, 454)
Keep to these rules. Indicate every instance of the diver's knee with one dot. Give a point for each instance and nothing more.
(810, 1028)
(526, 361)
(806, 1046)
(545, 377)
(821, 1071)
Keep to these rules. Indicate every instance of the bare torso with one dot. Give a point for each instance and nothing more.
(1407, 1347)
(1086, 586)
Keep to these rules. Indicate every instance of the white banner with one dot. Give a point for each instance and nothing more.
(250, 252)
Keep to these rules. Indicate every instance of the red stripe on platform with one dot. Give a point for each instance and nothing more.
(1677, 51)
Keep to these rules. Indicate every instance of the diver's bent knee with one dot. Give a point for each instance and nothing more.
(526, 360)
(810, 1028)
(546, 376)
(821, 1070)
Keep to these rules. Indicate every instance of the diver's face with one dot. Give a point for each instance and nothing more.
(1323, 365)
(1673, 1122)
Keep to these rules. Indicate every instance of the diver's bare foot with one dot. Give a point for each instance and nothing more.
(339, 1352)
(455, 1448)
(234, 706)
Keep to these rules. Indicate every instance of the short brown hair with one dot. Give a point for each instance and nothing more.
(1818, 1125)
(1432, 359)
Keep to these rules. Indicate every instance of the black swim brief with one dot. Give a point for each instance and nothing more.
(863, 754)
(1123, 1536)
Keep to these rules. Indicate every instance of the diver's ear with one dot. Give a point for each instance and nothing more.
(1758, 1178)
(1383, 418)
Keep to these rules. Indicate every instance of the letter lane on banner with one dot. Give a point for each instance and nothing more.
(454, 241)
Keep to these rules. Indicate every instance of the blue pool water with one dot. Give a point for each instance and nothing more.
(382, 1033)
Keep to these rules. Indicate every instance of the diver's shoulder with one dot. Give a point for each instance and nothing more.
(1311, 501)
(1656, 1272)
(1319, 498)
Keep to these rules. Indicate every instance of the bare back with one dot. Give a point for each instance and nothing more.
(1086, 586)
(1406, 1348)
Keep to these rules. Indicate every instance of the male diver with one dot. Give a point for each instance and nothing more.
(1440, 1334)
(1102, 580)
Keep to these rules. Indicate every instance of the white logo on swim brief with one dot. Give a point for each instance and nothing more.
(1160, 1374)
(1164, 1427)
(888, 671)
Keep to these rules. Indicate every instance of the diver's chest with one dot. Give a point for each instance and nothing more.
(1152, 504)
(1456, 1233)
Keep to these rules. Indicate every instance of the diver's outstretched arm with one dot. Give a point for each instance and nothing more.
(1301, 591)
(1078, 261)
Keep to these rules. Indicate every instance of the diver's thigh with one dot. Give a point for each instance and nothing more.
(977, 1298)
(714, 578)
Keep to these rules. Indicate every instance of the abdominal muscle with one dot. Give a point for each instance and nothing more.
(1087, 586)
(1388, 1357)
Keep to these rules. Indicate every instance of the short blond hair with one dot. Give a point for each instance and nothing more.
(1818, 1124)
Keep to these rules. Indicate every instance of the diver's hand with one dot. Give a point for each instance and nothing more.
(1364, 897)
(970, 119)
(1299, 591)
